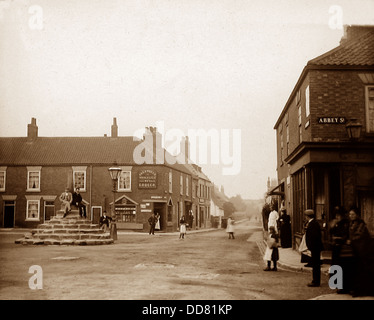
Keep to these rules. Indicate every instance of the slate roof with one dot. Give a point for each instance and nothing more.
(355, 52)
(46, 151)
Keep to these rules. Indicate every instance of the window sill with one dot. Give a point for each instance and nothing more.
(33, 190)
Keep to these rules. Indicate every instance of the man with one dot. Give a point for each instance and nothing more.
(77, 200)
(66, 198)
(152, 223)
(313, 239)
(104, 221)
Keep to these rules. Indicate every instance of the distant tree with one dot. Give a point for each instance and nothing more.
(238, 202)
(228, 208)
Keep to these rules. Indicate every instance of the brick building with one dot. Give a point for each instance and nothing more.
(319, 164)
(35, 170)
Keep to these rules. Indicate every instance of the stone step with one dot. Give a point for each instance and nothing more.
(80, 242)
(37, 232)
(72, 236)
(68, 226)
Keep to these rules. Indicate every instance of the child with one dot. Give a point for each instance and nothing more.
(182, 228)
(272, 252)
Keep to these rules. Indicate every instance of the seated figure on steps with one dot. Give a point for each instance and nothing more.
(66, 198)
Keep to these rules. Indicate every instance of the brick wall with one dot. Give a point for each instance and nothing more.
(335, 93)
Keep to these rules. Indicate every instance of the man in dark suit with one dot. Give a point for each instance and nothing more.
(77, 201)
(313, 238)
(104, 221)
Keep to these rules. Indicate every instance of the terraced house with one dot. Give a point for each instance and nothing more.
(35, 170)
(325, 134)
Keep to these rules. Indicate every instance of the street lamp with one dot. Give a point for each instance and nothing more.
(353, 128)
(114, 174)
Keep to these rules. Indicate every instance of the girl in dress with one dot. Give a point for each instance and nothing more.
(182, 228)
(272, 252)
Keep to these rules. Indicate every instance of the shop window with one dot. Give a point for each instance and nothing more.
(33, 178)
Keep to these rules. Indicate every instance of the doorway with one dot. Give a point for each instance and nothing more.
(9, 214)
(160, 208)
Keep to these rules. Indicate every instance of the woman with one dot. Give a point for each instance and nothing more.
(285, 229)
(362, 271)
(341, 252)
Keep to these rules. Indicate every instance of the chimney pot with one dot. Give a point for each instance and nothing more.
(114, 128)
(32, 130)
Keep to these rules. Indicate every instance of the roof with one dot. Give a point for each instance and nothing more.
(71, 151)
(218, 197)
(354, 52)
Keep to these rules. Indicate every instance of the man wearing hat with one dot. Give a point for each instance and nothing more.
(313, 238)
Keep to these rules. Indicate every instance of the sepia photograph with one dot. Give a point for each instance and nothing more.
(188, 156)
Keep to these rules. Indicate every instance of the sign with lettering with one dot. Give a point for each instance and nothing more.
(331, 120)
(147, 179)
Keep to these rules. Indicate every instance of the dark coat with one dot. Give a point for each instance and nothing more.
(313, 236)
(105, 220)
(77, 198)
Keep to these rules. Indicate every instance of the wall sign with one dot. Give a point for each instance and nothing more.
(331, 120)
(147, 179)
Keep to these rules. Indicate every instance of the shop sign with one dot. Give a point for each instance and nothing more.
(147, 179)
(331, 120)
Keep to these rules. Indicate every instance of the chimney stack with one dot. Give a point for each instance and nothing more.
(114, 128)
(32, 130)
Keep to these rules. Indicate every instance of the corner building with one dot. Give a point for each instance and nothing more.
(325, 135)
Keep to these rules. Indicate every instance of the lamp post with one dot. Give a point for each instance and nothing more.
(114, 174)
(353, 128)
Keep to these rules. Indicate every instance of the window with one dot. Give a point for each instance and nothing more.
(2, 178)
(307, 104)
(32, 210)
(79, 178)
(370, 109)
(170, 182)
(33, 178)
(288, 139)
(124, 181)
(181, 184)
(187, 187)
(300, 123)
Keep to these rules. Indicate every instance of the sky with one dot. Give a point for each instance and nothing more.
(221, 66)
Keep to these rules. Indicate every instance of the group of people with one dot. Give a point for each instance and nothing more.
(68, 199)
(154, 223)
(353, 251)
(279, 235)
(351, 243)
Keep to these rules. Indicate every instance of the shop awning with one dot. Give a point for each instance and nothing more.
(277, 191)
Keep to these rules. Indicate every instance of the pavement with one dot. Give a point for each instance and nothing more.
(289, 259)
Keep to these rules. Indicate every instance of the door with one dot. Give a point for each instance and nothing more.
(366, 204)
(9, 212)
(160, 208)
(96, 214)
(49, 210)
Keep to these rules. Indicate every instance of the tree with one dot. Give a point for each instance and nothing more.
(228, 208)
